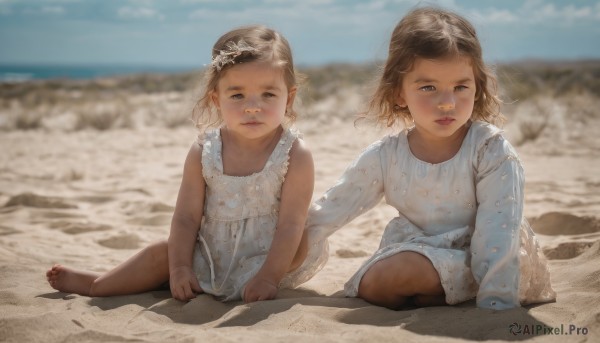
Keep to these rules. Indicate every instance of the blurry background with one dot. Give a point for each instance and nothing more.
(69, 65)
(180, 33)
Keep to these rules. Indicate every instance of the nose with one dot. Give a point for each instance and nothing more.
(252, 107)
(447, 102)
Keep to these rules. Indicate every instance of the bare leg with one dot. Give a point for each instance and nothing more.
(144, 271)
(391, 281)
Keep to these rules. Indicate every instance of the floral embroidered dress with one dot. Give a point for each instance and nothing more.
(240, 218)
(464, 214)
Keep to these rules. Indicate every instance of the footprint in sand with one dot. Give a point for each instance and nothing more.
(122, 241)
(154, 220)
(38, 201)
(57, 214)
(567, 250)
(75, 228)
(5, 231)
(160, 207)
(136, 207)
(347, 253)
(558, 223)
(95, 199)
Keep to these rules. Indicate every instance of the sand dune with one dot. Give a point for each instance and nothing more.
(91, 199)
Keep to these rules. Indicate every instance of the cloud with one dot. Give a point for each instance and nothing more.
(201, 1)
(573, 13)
(205, 14)
(53, 10)
(146, 3)
(534, 12)
(139, 13)
(566, 14)
(326, 13)
(495, 16)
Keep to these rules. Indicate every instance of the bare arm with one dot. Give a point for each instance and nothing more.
(185, 225)
(296, 194)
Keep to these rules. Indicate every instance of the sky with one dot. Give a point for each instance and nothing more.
(182, 32)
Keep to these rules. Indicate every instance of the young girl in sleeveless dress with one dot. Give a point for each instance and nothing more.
(237, 230)
(456, 182)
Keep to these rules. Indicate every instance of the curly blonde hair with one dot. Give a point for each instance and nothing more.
(243, 45)
(431, 33)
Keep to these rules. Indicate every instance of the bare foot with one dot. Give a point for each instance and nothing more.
(69, 280)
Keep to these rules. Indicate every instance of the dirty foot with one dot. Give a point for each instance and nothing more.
(69, 280)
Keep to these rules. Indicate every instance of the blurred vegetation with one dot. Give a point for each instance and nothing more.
(166, 99)
(329, 79)
(531, 78)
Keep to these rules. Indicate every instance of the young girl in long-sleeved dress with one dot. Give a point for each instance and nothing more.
(456, 182)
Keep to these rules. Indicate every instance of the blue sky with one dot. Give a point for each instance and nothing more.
(181, 32)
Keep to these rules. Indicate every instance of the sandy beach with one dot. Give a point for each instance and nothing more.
(89, 199)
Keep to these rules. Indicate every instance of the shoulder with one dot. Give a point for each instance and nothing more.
(484, 138)
(300, 153)
(208, 138)
(298, 150)
(194, 156)
(490, 147)
(386, 146)
(300, 170)
(481, 131)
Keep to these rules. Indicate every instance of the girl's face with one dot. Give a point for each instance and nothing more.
(252, 98)
(440, 95)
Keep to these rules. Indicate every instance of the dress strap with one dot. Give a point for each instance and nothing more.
(211, 151)
(279, 160)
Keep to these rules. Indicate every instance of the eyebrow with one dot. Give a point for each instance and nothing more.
(424, 80)
(239, 88)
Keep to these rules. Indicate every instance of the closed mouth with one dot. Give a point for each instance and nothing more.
(445, 120)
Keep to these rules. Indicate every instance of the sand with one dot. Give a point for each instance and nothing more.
(91, 199)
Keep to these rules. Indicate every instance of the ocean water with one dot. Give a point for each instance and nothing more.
(20, 73)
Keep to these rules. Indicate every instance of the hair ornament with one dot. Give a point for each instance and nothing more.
(230, 53)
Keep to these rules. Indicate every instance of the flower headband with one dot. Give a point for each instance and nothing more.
(230, 53)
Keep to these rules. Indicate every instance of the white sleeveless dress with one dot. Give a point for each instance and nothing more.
(240, 218)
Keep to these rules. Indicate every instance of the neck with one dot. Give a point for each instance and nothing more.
(241, 143)
(436, 149)
(243, 156)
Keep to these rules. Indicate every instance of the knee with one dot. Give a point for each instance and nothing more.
(158, 252)
(370, 283)
(421, 276)
(403, 274)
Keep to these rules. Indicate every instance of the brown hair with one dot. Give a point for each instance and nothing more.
(242, 45)
(432, 33)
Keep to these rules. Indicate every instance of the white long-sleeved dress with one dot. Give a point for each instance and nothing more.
(464, 214)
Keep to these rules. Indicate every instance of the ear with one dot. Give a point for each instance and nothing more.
(291, 97)
(399, 97)
(214, 97)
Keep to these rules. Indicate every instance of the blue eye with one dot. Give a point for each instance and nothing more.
(237, 96)
(428, 88)
(460, 88)
(269, 95)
